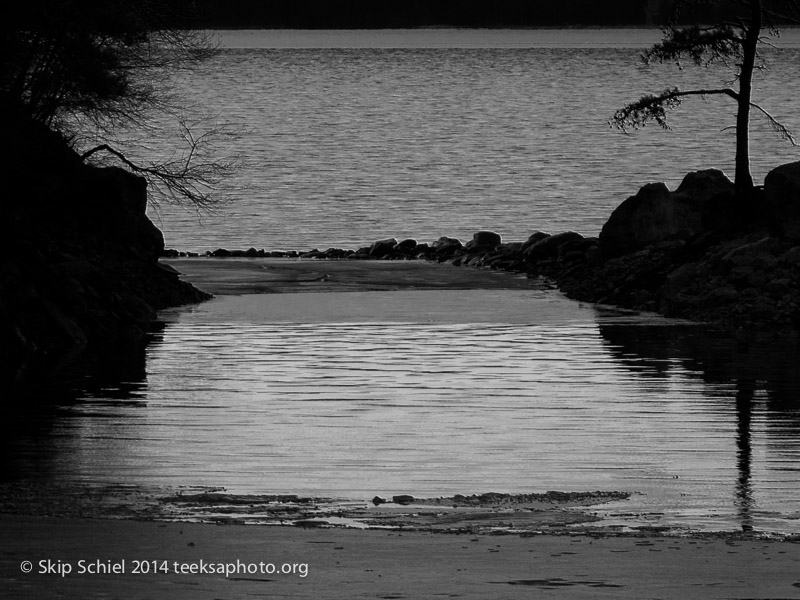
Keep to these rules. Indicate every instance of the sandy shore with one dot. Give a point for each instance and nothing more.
(276, 275)
(341, 563)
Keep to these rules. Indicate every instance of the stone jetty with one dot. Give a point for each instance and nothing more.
(696, 253)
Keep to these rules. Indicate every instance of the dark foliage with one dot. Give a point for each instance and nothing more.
(67, 60)
(85, 68)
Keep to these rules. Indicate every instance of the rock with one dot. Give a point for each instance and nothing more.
(407, 247)
(552, 246)
(536, 236)
(378, 500)
(403, 499)
(655, 215)
(782, 195)
(701, 186)
(422, 250)
(446, 247)
(114, 201)
(382, 248)
(446, 242)
(680, 279)
(510, 247)
(313, 253)
(488, 239)
(82, 269)
(778, 288)
(758, 254)
(721, 296)
(336, 253)
(168, 268)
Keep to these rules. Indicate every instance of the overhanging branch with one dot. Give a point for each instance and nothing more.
(181, 180)
(654, 107)
(776, 125)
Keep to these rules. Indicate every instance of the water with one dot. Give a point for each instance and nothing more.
(436, 392)
(355, 136)
(439, 391)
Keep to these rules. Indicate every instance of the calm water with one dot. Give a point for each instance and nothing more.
(434, 392)
(349, 137)
(439, 392)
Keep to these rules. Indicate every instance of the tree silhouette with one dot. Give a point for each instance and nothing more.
(737, 38)
(85, 68)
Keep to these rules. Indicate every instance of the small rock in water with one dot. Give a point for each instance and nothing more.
(403, 499)
(378, 500)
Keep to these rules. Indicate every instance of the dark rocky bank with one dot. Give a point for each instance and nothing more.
(79, 268)
(699, 253)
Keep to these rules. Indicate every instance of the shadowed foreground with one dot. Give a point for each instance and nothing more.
(387, 564)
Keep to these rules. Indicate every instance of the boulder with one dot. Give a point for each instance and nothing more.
(536, 236)
(112, 210)
(681, 278)
(655, 215)
(404, 499)
(446, 247)
(382, 247)
(488, 239)
(81, 267)
(422, 250)
(701, 186)
(552, 246)
(446, 242)
(782, 194)
(759, 254)
(407, 245)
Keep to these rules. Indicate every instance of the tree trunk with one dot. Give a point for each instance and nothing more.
(743, 178)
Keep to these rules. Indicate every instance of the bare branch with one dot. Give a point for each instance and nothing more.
(187, 178)
(776, 125)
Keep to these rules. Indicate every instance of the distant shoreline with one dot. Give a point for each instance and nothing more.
(448, 37)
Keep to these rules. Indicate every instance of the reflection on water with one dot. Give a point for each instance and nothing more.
(703, 425)
(764, 380)
(36, 418)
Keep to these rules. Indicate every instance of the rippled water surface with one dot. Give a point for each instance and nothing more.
(348, 137)
(427, 391)
(460, 391)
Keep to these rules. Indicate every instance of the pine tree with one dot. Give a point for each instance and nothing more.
(735, 39)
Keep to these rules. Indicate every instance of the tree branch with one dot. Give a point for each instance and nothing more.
(776, 125)
(186, 178)
(703, 45)
(654, 107)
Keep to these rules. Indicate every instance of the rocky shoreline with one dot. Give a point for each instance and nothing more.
(696, 253)
(80, 268)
